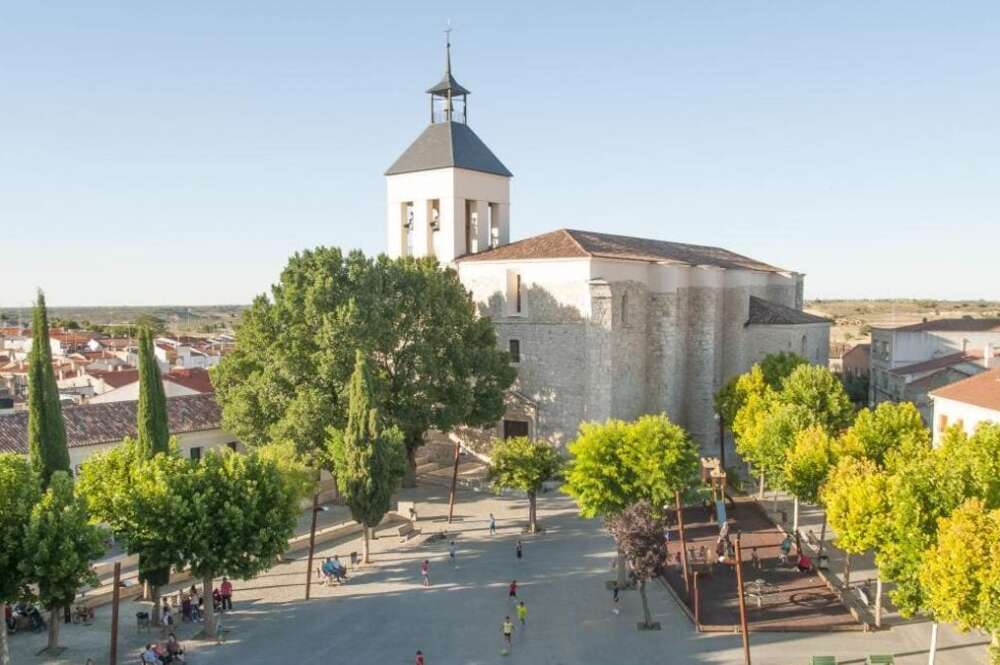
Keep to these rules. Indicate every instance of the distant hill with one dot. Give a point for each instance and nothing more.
(176, 318)
(855, 318)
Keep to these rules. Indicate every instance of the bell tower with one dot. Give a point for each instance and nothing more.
(447, 195)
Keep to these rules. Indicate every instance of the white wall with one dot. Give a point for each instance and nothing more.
(206, 440)
(970, 415)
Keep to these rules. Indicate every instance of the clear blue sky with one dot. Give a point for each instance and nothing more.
(178, 152)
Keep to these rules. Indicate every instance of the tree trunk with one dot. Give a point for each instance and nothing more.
(154, 595)
(760, 490)
(54, 620)
(647, 618)
(312, 542)
(795, 517)
(932, 651)
(410, 477)
(822, 538)
(4, 647)
(620, 569)
(532, 512)
(365, 552)
(878, 602)
(208, 618)
(847, 571)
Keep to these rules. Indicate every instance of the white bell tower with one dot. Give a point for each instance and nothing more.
(447, 195)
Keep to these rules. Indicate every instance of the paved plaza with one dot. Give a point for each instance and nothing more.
(383, 615)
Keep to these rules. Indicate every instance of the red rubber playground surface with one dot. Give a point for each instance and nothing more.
(791, 601)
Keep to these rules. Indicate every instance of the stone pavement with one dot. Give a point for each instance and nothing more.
(382, 615)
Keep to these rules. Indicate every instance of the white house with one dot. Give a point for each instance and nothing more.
(967, 403)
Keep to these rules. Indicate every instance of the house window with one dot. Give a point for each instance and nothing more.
(512, 428)
(942, 422)
(195, 453)
(514, 348)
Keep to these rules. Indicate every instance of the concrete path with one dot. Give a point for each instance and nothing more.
(382, 615)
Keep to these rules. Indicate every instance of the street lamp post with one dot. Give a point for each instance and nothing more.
(722, 442)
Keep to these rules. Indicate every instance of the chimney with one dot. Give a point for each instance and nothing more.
(988, 355)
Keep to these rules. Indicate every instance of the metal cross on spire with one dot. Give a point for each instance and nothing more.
(447, 47)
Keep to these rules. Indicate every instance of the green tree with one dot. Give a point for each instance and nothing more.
(62, 542)
(434, 363)
(19, 492)
(776, 367)
(889, 427)
(663, 458)
(821, 394)
(808, 462)
(521, 464)
(638, 530)
(368, 458)
(238, 513)
(153, 430)
(46, 429)
(961, 571)
(857, 507)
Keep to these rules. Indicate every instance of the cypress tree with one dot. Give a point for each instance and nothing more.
(153, 432)
(369, 460)
(46, 429)
(153, 437)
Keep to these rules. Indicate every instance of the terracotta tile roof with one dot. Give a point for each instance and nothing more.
(570, 243)
(116, 379)
(863, 349)
(92, 424)
(765, 312)
(195, 378)
(982, 390)
(950, 325)
(939, 362)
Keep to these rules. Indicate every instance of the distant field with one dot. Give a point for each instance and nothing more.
(854, 318)
(177, 318)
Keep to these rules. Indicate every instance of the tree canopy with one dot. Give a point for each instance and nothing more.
(522, 464)
(889, 427)
(820, 394)
(153, 432)
(638, 531)
(808, 462)
(20, 490)
(435, 364)
(855, 496)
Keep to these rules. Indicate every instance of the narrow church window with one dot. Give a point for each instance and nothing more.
(514, 347)
(408, 227)
(514, 304)
(494, 226)
(517, 293)
(625, 309)
(435, 215)
(471, 227)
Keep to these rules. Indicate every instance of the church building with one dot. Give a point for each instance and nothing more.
(599, 325)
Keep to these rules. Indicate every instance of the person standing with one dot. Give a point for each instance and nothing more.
(522, 612)
(507, 629)
(519, 550)
(493, 525)
(755, 560)
(512, 592)
(226, 591)
(452, 551)
(420, 656)
(614, 596)
(425, 572)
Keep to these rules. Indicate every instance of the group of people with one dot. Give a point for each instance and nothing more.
(161, 654)
(333, 570)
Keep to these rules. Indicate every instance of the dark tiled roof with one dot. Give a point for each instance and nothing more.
(116, 378)
(571, 243)
(951, 325)
(92, 424)
(767, 313)
(194, 378)
(939, 362)
(981, 390)
(448, 144)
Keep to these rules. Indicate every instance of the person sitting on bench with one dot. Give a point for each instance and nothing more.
(785, 549)
(804, 564)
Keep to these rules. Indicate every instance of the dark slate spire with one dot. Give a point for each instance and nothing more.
(448, 84)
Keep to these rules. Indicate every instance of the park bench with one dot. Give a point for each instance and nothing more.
(406, 531)
(880, 660)
(823, 660)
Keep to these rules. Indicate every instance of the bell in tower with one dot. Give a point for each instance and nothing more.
(448, 195)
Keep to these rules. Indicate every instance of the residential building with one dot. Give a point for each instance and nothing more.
(967, 403)
(176, 382)
(855, 363)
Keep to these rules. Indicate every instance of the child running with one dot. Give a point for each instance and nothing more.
(425, 571)
(522, 612)
(519, 550)
(451, 553)
(512, 593)
(507, 629)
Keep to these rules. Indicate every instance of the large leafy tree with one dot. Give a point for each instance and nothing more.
(46, 429)
(821, 394)
(522, 464)
(62, 543)
(857, 507)
(808, 462)
(875, 434)
(238, 514)
(961, 571)
(638, 530)
(777, 367)
(368, 458)
(19, 492)
(662, 456)
(434, 363)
